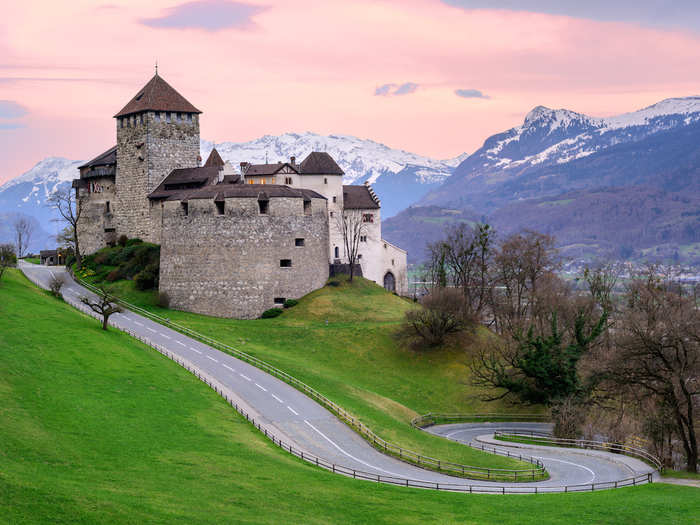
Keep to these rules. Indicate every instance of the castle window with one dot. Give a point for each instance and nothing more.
(367, 217)
(331, 214)
(363, 238)
(189, 117)
(167, 117)
(359, 256)
(173, 116)
(288, 180)
(107, 209)
(285, 263)
(335, 199)
(185, 208)
(179, 117)
(299, 242)
(325, 180)
(392, 262)
(264, 207)
(279, 300)
(337, 252)
(307, 207)
(219, 207)
(157, 116)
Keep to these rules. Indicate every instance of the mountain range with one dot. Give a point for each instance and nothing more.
(625, 186)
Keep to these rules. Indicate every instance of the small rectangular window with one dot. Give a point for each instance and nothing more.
(157, 116)
(167, 117)
(264, 207)
(331, 214)
(299, 242)
(285, 263)
(363, 238)
(335, 199)
(325, 180)
(279, 300)
(367, 217)
(307, 207)
(189, 117)
(359, 256)
(219, 207)
(107, 209)
(185, 208)
(288, 180)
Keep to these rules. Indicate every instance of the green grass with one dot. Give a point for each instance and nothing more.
(340, 340)
(97, 428)
(682, 474)
(33, 260)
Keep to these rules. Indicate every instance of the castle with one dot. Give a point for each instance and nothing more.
(234, 242)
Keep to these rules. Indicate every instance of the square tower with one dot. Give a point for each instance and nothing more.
(157, 132)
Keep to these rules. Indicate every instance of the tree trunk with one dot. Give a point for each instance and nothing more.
(78, 258)
(105, 319)
(352, 270)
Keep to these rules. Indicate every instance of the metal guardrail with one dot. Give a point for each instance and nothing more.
(358, 474)
(409, 456)
(547, 439)
(430, 419)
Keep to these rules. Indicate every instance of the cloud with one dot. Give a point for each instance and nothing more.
(10, 109)
(10, 125)
(654, 13)
(210, 15)
(470, 93)
(387, 90)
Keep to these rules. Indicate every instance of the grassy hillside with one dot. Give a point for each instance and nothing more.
(341, 341)
(97, 428)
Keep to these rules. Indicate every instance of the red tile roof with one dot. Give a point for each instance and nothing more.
(157, 95)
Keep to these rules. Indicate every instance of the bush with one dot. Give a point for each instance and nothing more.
(272, 312)
(132, 242)
(55, 285)
(443, 313)
(114, 275)
(122, 240)
(290, 303)
(163, 300)
(147, 279)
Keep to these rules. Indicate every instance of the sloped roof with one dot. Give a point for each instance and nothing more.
(358, 198)
(107, 158)
(197, 177)
(267, 169)
(319, 163)
(214, 160)
(228, 191)
(157, 95)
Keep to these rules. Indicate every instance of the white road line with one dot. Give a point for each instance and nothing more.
(231, 369)
(261, 387)
(292, 410)
(277, 398)
(245, 377)
(166, 336)
(137, 323)
(151, 329)
(195, 350)
(210, 357)
(180, 343)
(353, 457)
(571, 463)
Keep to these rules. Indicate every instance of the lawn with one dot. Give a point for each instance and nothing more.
(341, 341)
(97, 428)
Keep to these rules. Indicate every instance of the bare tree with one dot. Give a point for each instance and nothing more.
(443, 312)
(7, 257)
(657, 355)
(70, 206)
(352, 227)
(55, 285)
(23, 234)
(104, 304)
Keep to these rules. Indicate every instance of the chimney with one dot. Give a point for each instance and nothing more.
(292, 160)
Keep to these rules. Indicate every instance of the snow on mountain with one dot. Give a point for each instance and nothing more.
(361, 159)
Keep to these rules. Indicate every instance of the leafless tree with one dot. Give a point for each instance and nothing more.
(55, 285)
(105, 304)
(352, 227)
(443, 312)
(657, 355)
(70, 207)
(23, 234)
(7, 257)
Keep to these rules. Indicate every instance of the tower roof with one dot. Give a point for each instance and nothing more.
(157, 95)
(319, 163)
(214, 160)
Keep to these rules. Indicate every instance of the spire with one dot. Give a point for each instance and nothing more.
(214, 160)
(156, 67)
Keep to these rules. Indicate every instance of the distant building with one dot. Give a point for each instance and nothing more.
(232, 244)
(52, 257)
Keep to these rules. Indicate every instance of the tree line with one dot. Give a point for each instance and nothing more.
(599, 351)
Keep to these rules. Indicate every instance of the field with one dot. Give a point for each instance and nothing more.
(341, 341)
(95, 427)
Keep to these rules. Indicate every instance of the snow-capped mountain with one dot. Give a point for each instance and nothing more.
(399, 177)
(537, 155)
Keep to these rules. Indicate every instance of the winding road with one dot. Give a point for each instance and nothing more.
(297, 419)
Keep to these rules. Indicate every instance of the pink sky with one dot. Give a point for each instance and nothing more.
(315, 65)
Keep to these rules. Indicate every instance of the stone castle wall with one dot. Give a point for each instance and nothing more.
(229, 265)
(149, 146)
(96, 222)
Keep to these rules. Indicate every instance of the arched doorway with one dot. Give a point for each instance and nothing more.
(389, 282)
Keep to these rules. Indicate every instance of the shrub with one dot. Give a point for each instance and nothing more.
(122, 240)
(272, 312)
(55, 285)
(114, 275)
(147, 278)
(132, 242)
(101, 257)
(290, 303)
(443, 313)
(163, 300)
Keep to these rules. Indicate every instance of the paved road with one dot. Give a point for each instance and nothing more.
(304, 423)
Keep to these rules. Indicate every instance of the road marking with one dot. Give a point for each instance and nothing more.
(151, 329)
(292, 410)
(210, 357)
(277, 398)
(244, 377)
(356, 459)
(137, 323)
(261, 387)
(180, 343)
(571, 463)
(166, 336)
(231, 369)
(195, 350)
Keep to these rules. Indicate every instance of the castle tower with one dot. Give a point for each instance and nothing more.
(157, 132)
